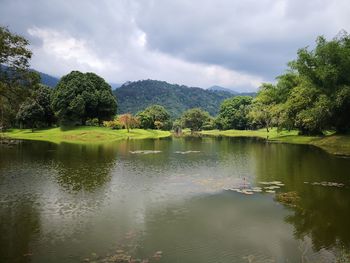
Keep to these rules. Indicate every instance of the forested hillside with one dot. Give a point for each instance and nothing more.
(135, 96)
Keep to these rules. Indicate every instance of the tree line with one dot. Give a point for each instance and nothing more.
(77, 99)
(312, 96)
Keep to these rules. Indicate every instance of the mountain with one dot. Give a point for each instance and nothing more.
(135, 96)
(219, 88)
(48, 80)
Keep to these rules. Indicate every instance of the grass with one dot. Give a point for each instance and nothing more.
(84, 134)
(332, 143)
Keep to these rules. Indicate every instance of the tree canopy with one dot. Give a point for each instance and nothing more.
(196, 119)
(79, 97)
(233, 113)
(154, 117)
(16, 79)
(314, 94)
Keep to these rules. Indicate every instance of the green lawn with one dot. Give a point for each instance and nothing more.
(85, 134)
(334, 144)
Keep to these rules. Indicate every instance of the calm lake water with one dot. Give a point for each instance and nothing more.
(168, 200)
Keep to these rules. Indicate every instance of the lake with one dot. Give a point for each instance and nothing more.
(173, 200)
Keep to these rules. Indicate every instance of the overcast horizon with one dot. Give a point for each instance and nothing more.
(229, 43)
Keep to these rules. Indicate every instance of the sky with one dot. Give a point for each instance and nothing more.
(236, 44)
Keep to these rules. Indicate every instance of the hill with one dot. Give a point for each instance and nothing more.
(219, 88)
(48, 80)
(135, 96)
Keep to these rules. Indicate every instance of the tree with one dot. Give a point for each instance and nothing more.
(80, 96)
(327, 69)
(30, 114)
(152, 116)
(106, 106)
(262, 110)
(195, 119)
(308, 109)
(234, 113)
(128, 121)
(15, 77)
(42, 96)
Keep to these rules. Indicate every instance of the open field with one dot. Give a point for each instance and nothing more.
(85, 134)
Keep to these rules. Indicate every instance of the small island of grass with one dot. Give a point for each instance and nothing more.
(84, 134)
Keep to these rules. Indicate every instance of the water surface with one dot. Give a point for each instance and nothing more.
(73, 203)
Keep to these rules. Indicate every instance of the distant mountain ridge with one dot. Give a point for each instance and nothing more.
(219, 88)
(48, 80)
(135, 96)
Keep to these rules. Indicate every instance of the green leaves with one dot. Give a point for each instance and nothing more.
(195, 119)
(234, 113)
(154, 117)
(80, 96)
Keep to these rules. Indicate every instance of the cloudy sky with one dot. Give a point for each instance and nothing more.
(233, 43)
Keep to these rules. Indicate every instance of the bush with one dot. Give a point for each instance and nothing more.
(113, 124)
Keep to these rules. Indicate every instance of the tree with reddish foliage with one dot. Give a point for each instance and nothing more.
(128, 121)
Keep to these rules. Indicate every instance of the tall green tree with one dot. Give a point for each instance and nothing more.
(80, 96)
(30, 114)
(16, 79)
(263, 108)
(106, 106)
(195, 119)
(154, 117)
(234, 113)
(327, 68)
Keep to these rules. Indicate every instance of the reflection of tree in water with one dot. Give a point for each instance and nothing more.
(323, 214)
(84, 167)
(22, 225)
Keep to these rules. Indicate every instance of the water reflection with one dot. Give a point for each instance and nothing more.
(69, 201)
(21, 229)
(84, 167)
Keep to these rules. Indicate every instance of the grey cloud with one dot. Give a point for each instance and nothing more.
(197, 42)
(242, 35)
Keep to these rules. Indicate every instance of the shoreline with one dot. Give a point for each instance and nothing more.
(84, 134)
(338, 145)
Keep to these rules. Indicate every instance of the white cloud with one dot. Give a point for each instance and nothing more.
(67, 53)
(71, 51)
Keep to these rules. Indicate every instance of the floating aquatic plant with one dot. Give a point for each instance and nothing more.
(187, 152)
(144, 152)
(289, 198)
(324, 183)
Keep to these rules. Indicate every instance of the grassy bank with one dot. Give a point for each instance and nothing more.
(334, 144)
(84, 134)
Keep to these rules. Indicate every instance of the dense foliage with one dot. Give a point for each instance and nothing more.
(154, 117)
(79, 97)
(36, 110)
(314, 94)
(135, 96)
(16, 79)
(234, 113)
(196, 119)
